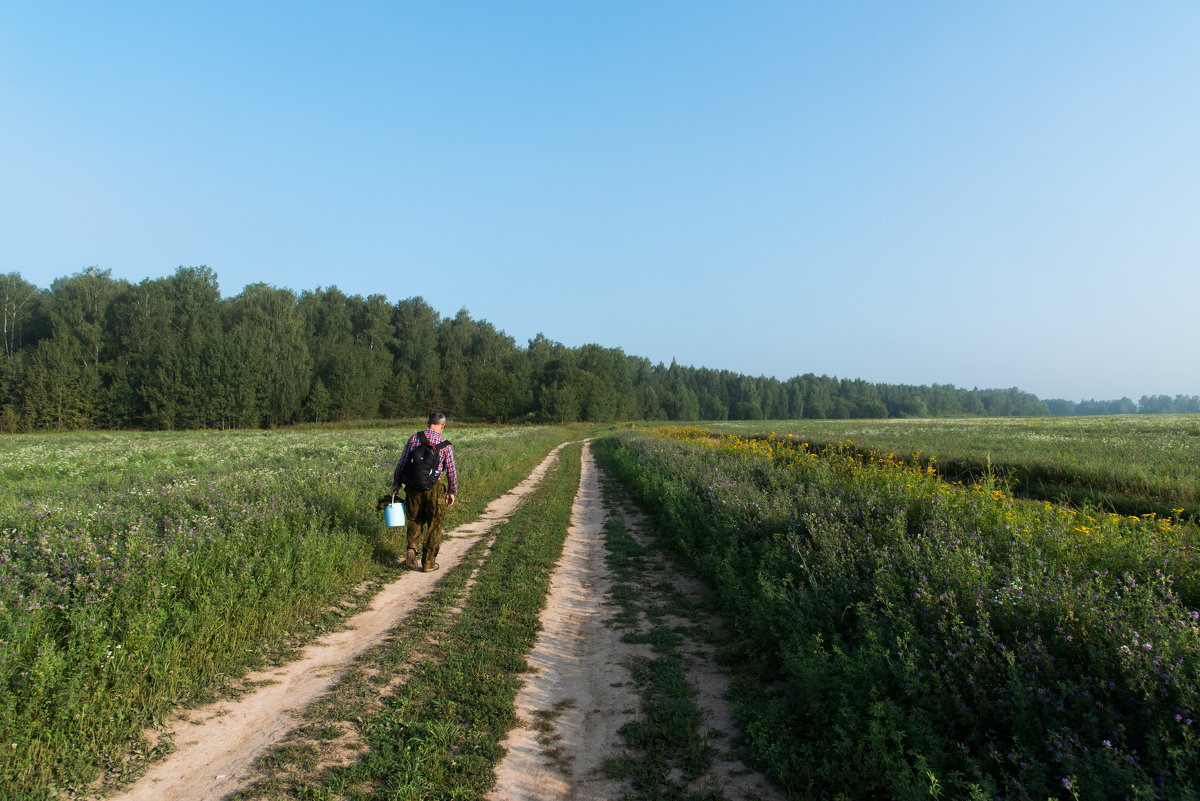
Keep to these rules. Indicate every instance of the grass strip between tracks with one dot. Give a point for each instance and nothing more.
(455, 673)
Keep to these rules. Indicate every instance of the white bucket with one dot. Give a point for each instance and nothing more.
(393, 513)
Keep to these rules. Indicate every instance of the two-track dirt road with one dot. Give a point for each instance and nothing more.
(573, 703)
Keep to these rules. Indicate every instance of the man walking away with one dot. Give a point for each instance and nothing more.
(426, 469)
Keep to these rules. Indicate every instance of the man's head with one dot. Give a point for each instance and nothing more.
(437, 421)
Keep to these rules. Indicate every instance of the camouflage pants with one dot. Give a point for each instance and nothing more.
(423, 511)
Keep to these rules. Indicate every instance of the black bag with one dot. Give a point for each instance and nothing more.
(422, 461)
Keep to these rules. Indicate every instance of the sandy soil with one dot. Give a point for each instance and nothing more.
(217, 745)
(580, 691)
(727, 774)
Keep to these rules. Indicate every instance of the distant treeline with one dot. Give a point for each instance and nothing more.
(1149, 404)
(169, 353)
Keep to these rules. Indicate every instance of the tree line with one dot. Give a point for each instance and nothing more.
(94, 352)
(1149, 404)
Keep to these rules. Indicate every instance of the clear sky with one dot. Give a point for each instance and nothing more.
(984, 194)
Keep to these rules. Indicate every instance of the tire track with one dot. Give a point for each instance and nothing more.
(580, 692)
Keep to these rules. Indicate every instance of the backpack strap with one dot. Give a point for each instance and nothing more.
(441, 446)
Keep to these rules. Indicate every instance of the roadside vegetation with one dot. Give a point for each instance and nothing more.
(1131, 465)
(909, 637)
(143, 572)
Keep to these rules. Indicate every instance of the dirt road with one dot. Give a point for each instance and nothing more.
(579, 693)
(582, 691)
(573, 704)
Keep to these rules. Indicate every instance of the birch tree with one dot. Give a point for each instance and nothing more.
(18, 299)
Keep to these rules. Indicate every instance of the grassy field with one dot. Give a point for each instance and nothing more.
(140, 572)
(1129, 464)
(901, 636)
(905, 627)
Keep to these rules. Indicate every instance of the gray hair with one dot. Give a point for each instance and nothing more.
(436, 419)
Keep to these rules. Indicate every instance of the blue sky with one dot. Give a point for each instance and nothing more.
(992, 195)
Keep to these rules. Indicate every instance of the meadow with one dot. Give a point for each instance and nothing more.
(904, 636)
(1129, 464)
(142, 572)
(902, 626)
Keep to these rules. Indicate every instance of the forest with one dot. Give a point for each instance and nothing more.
(94, 352)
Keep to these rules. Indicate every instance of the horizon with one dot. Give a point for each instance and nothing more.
(445, 317)
(986, 197)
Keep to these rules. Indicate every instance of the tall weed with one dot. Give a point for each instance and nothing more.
(935, 639)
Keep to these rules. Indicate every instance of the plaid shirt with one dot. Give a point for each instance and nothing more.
(445, 463)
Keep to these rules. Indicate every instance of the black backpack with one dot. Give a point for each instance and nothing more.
(422, 461)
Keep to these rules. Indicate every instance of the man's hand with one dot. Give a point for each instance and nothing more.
(449, 498)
